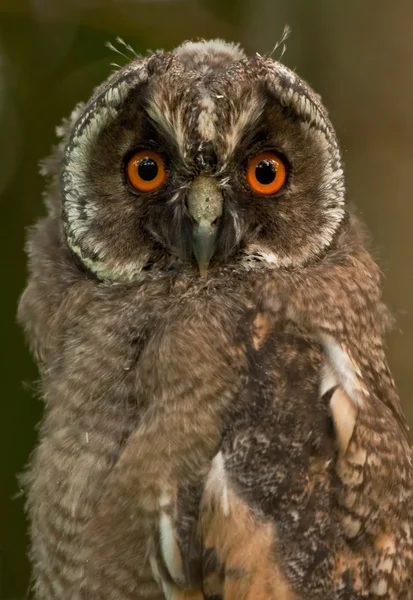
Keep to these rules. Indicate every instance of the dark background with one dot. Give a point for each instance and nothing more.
(357, 54)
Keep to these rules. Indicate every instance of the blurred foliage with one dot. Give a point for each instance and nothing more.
(358, 56)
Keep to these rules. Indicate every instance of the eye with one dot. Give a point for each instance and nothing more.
(146, 171)
(266, 173)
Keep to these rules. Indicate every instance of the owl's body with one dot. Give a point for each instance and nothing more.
(230, 434)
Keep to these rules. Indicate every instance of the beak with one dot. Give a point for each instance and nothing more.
(205, 204)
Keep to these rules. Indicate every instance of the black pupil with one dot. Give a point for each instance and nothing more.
(265, 172)
(147, 169)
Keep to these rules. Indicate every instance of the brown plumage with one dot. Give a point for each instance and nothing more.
(232, 435)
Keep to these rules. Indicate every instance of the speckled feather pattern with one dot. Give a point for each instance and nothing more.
(233, 436)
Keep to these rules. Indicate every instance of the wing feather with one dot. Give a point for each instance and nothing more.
(316, 512)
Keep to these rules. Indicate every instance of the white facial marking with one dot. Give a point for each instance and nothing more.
(211, 47)
(207, 119)
(240, 122)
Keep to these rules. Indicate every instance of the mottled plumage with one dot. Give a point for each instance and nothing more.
(230, 434)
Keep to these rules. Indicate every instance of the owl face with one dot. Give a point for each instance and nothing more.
(197, 159)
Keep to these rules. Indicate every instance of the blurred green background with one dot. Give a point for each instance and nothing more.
(357, 54)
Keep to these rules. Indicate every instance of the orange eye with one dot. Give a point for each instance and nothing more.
(266, 173)
(146, 171)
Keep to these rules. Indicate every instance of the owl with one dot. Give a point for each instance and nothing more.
(220, 420)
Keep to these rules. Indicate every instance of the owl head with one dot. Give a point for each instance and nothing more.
(199, 159)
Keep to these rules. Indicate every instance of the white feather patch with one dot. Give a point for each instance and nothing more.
(341, 372)
(207, 119)
(347, 372)
(155, 570)
(216, 484)
(216, 46)
(167, 588)
(329, 379)
(245, 118)
(344, 414)
(169, 547)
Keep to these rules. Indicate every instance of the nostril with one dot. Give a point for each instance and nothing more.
(215, 221)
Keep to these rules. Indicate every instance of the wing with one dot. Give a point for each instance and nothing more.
(266, 499)
(310, 495)
(266, 517)
(131, 547)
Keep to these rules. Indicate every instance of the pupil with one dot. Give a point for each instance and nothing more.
(265, 172)
(147, 169)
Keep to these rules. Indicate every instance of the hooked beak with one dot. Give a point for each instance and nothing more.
(205, 204)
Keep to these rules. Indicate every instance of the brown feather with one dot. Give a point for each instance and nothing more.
(238, 435)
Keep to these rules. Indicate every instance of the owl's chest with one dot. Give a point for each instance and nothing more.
(169, 366)
(146, 402)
